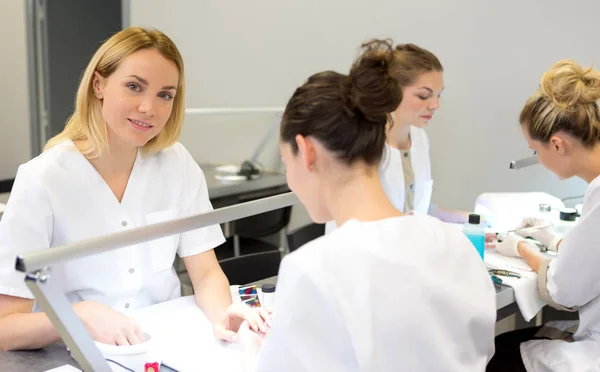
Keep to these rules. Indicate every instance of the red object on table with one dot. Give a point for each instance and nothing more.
(151, 367)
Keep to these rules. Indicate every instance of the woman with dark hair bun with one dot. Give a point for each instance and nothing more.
(385, 291)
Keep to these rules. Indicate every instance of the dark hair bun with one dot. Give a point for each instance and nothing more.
(371, 89)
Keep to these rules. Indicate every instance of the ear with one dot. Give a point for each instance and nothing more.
(558, 145)
(306, 150)
(98, 85)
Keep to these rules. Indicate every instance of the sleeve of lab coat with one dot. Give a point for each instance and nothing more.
(308, 332)
(196, 201)
(26, 226)
(573, 278)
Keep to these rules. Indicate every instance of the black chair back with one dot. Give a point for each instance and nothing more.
(250, 268)
(305, 234)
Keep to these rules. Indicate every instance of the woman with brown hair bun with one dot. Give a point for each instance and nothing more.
(384, 291)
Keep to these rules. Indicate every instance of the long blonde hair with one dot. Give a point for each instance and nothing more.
(87, 125)
(567, 101)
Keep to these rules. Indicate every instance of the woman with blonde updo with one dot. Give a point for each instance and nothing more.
(561, 122)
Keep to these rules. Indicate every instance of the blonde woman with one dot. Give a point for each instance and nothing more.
(561, 122)
(116, 166)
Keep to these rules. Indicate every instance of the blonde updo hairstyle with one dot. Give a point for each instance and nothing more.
(566, 101)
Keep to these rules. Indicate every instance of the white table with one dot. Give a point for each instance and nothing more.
(56, 355)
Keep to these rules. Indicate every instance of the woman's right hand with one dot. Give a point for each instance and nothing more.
(537, 228)
(108, 326)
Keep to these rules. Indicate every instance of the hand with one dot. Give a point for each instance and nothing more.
(250, 339)
(490, 240)
(532, 227)
(226, 329)
(250, 343)
(509, 246)
(108, 326)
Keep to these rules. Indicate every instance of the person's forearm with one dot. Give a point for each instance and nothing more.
(450, 215)
(26, 331)
(530, 255)
(212, 294)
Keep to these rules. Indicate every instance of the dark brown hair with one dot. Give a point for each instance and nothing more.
(346, 113)
(565, 102)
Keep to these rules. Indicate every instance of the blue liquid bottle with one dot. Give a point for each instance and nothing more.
(475, 231)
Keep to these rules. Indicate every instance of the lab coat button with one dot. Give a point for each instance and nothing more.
(127, 305)
(124, 223)
(131, 271)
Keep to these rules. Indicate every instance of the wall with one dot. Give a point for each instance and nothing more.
(241, 53)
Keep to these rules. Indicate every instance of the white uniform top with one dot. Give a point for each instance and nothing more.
(59, 198)
(402, 294)
(572, 279)
(392, 176)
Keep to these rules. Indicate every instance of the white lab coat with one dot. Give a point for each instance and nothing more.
(59, 198)
(572, 280)
(402, 294)
(392, 177)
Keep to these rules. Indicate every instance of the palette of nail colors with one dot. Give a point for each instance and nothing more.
(249, 295)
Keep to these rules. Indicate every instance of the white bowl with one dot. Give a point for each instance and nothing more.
(133, 357)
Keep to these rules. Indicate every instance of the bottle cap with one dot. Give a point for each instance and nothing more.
(474, 219)
(568, 214)
(268, 288)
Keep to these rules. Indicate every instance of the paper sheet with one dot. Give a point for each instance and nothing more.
(497, 261)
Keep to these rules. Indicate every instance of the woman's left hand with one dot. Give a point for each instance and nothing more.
(258, 320)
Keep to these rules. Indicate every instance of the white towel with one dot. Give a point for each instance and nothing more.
(185, 337)
(65, 368)
(526, 291)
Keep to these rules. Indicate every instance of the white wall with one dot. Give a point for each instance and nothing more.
(15, 147)
(253, 53)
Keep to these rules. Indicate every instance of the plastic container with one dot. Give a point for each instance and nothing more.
(562, 219)
(268, 295)
(475, 231)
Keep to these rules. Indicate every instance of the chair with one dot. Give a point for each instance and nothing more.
(247, 232)
(305, 234)
(251, 267)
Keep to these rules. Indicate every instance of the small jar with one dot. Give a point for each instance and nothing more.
(268, 295)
